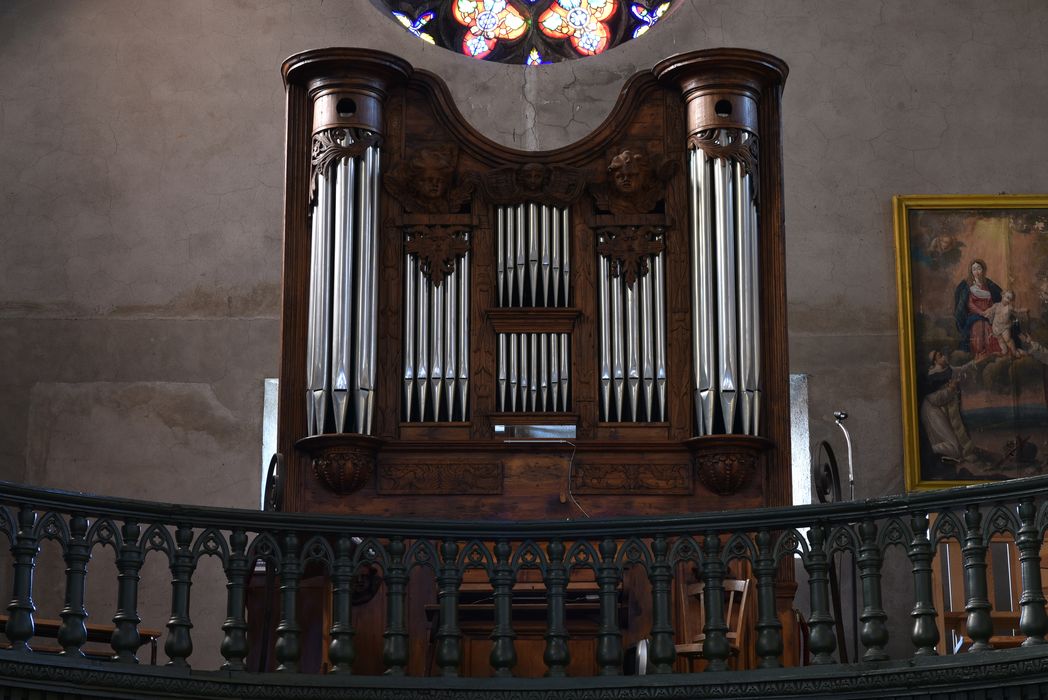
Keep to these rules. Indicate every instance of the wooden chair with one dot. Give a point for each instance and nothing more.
(691, 597)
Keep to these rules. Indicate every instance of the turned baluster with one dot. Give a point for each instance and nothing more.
(715, 647)
(20, 625)
(1032, 619)
(73, 633)
(179, 643)
(503, 654)
(288, 645)
(556, 653)
(449, 637)
(126, 640)
(662, 652)
(234, 640)
(979, 624)
(925, 633)
(874, 631)
(822, 640)
(609, 636)
(395, 646)
(769, 630)
(340, 650)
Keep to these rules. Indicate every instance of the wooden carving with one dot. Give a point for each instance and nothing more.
(438, 249)
(344, 470)
(556, 185)
(440, 479)
(636, 183)
(425, 182)
(728, 144)
(632, 478)
(333, 144)
(628, 249)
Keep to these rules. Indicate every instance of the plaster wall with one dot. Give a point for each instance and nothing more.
(141, 149)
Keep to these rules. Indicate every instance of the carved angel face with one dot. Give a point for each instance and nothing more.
(431, 169)
(430, 183)
(629, 172)
(532, 177)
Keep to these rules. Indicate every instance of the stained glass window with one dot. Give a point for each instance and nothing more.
(531, 32)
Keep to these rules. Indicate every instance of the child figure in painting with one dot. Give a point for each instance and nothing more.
(1001, 315)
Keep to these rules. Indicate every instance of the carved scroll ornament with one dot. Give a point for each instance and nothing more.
(438, 249)
(735, 147)
(555, 185)
(333, 144)
(628, 249)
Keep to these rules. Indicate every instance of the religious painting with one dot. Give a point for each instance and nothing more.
(973, 328)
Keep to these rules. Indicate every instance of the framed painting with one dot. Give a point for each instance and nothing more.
(973, 330)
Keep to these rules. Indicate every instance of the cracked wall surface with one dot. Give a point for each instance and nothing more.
(141, 171)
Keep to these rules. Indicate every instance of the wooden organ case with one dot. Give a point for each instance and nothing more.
(476, 332)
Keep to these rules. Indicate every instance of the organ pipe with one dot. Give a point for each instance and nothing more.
(343, 285)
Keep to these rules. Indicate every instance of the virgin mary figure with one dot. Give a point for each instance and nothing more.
(973, 296)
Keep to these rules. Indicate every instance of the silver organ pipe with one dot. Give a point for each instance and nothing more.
(660, 337)
(565, 258)
(368, 305)
(555, 257)
(725, 268)
(533, 268)
(545, 232)
(318, 342)
(436, 344)
(410, 283)
(604, 324)
(463, 339)
(632, 347)
(724, 252)
(343, 291)
(631, 339)
(702, 291)
(341, 341)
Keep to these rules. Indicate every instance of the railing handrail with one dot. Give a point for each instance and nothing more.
(736, 520)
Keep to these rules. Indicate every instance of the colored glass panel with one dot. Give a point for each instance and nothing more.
(531, 32)
(582, 22)
(647, 17)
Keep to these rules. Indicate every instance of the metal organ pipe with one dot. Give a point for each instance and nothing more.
(533, 267)
(318, 342)
(632, 336)
(343, 287)
(723, 197)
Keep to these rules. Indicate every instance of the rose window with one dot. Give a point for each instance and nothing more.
(529, 32)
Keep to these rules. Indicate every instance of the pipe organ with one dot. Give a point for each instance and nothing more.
(475, 331)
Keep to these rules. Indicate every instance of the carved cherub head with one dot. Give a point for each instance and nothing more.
(431, 170)
(532, 177)
(630, 172)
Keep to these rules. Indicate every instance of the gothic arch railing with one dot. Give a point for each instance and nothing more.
(559, 552)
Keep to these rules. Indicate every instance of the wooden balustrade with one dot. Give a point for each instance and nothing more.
(573, 568)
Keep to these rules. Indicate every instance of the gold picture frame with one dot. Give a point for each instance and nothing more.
(972, 276)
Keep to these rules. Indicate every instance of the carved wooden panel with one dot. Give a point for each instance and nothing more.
(625, 479)
(440, 479)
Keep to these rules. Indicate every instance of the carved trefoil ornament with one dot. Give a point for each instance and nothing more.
(630, 248)
(438, 249)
